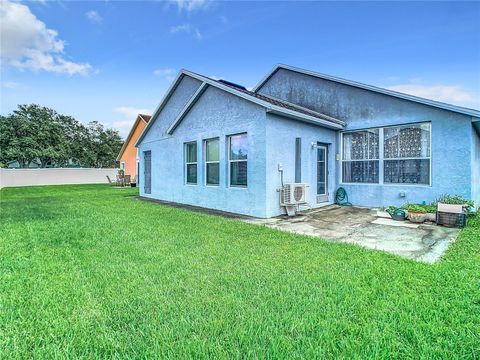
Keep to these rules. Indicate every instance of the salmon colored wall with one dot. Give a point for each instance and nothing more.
(130, 153)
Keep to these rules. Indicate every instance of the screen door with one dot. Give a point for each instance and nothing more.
(322, 173)
(147, 171)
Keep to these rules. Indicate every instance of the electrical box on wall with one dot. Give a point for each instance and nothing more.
(337, 157)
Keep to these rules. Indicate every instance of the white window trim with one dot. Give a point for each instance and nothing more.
(382, 158)
(211, 162)
(230, 161)
(189, 163)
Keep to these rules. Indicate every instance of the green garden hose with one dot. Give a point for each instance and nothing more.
(341, 197)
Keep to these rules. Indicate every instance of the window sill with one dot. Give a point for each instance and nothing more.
(386, 184)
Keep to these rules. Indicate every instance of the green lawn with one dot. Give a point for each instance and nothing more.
(90, 271)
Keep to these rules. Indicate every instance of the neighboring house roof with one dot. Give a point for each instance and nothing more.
(437, 104)
(271, 105)
(145, 118)
(140, 117)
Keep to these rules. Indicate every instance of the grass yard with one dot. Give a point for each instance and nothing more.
(90, 271)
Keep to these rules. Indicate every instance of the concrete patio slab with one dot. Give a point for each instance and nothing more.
(362, 226)
(391, 222)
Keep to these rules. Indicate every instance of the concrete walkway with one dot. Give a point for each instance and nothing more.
(362, 226)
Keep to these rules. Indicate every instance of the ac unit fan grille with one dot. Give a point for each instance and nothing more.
(298, 193)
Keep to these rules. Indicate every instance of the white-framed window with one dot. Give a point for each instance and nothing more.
(389, 155)
(212, 161)
(406, 153)
(238, 160)
(191, 163)
(360, 156)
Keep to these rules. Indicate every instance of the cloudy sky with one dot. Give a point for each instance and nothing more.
(108, 61)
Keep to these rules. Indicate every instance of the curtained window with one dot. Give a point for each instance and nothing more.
(360, 162)
(404, 155)
(407, 154)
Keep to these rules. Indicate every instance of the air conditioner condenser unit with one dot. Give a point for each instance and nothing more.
(292, 195)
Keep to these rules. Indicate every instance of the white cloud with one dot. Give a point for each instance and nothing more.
(186, 28)
(130, 115)
(28, 44)
(123, 126)
(94, 16)
(166, 73)
(180, 28)
(445, 93)
(191, 5)
(9, 84)
(131, 112)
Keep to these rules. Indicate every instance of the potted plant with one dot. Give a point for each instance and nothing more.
(396, 213)
(416, 213)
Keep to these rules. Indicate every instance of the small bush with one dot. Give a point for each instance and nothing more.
(420, 208)
(455, 200)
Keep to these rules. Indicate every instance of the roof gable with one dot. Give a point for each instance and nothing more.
(272, 105)
(437, 104)
(175, 98)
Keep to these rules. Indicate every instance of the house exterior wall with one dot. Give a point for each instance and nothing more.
(281, 133)
(215, 114)
(129, 156)
(476, 168)
(451, 149)
(184, 91)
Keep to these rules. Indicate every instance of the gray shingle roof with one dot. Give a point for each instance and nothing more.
(281, 103)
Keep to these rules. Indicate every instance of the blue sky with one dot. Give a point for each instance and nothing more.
(107, 60)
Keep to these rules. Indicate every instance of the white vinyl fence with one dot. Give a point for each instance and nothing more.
(54, 176)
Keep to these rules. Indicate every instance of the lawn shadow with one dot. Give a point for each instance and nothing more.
(30, 209)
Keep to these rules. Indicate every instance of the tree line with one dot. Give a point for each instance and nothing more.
(37, 133)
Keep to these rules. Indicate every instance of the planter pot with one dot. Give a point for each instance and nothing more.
(452, 220)
(417, 217)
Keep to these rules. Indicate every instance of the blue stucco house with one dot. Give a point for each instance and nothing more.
(215, 144)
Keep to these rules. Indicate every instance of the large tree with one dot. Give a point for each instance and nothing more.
(104, 143)
(33, 131)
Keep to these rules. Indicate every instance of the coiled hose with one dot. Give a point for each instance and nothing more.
(341, 197)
